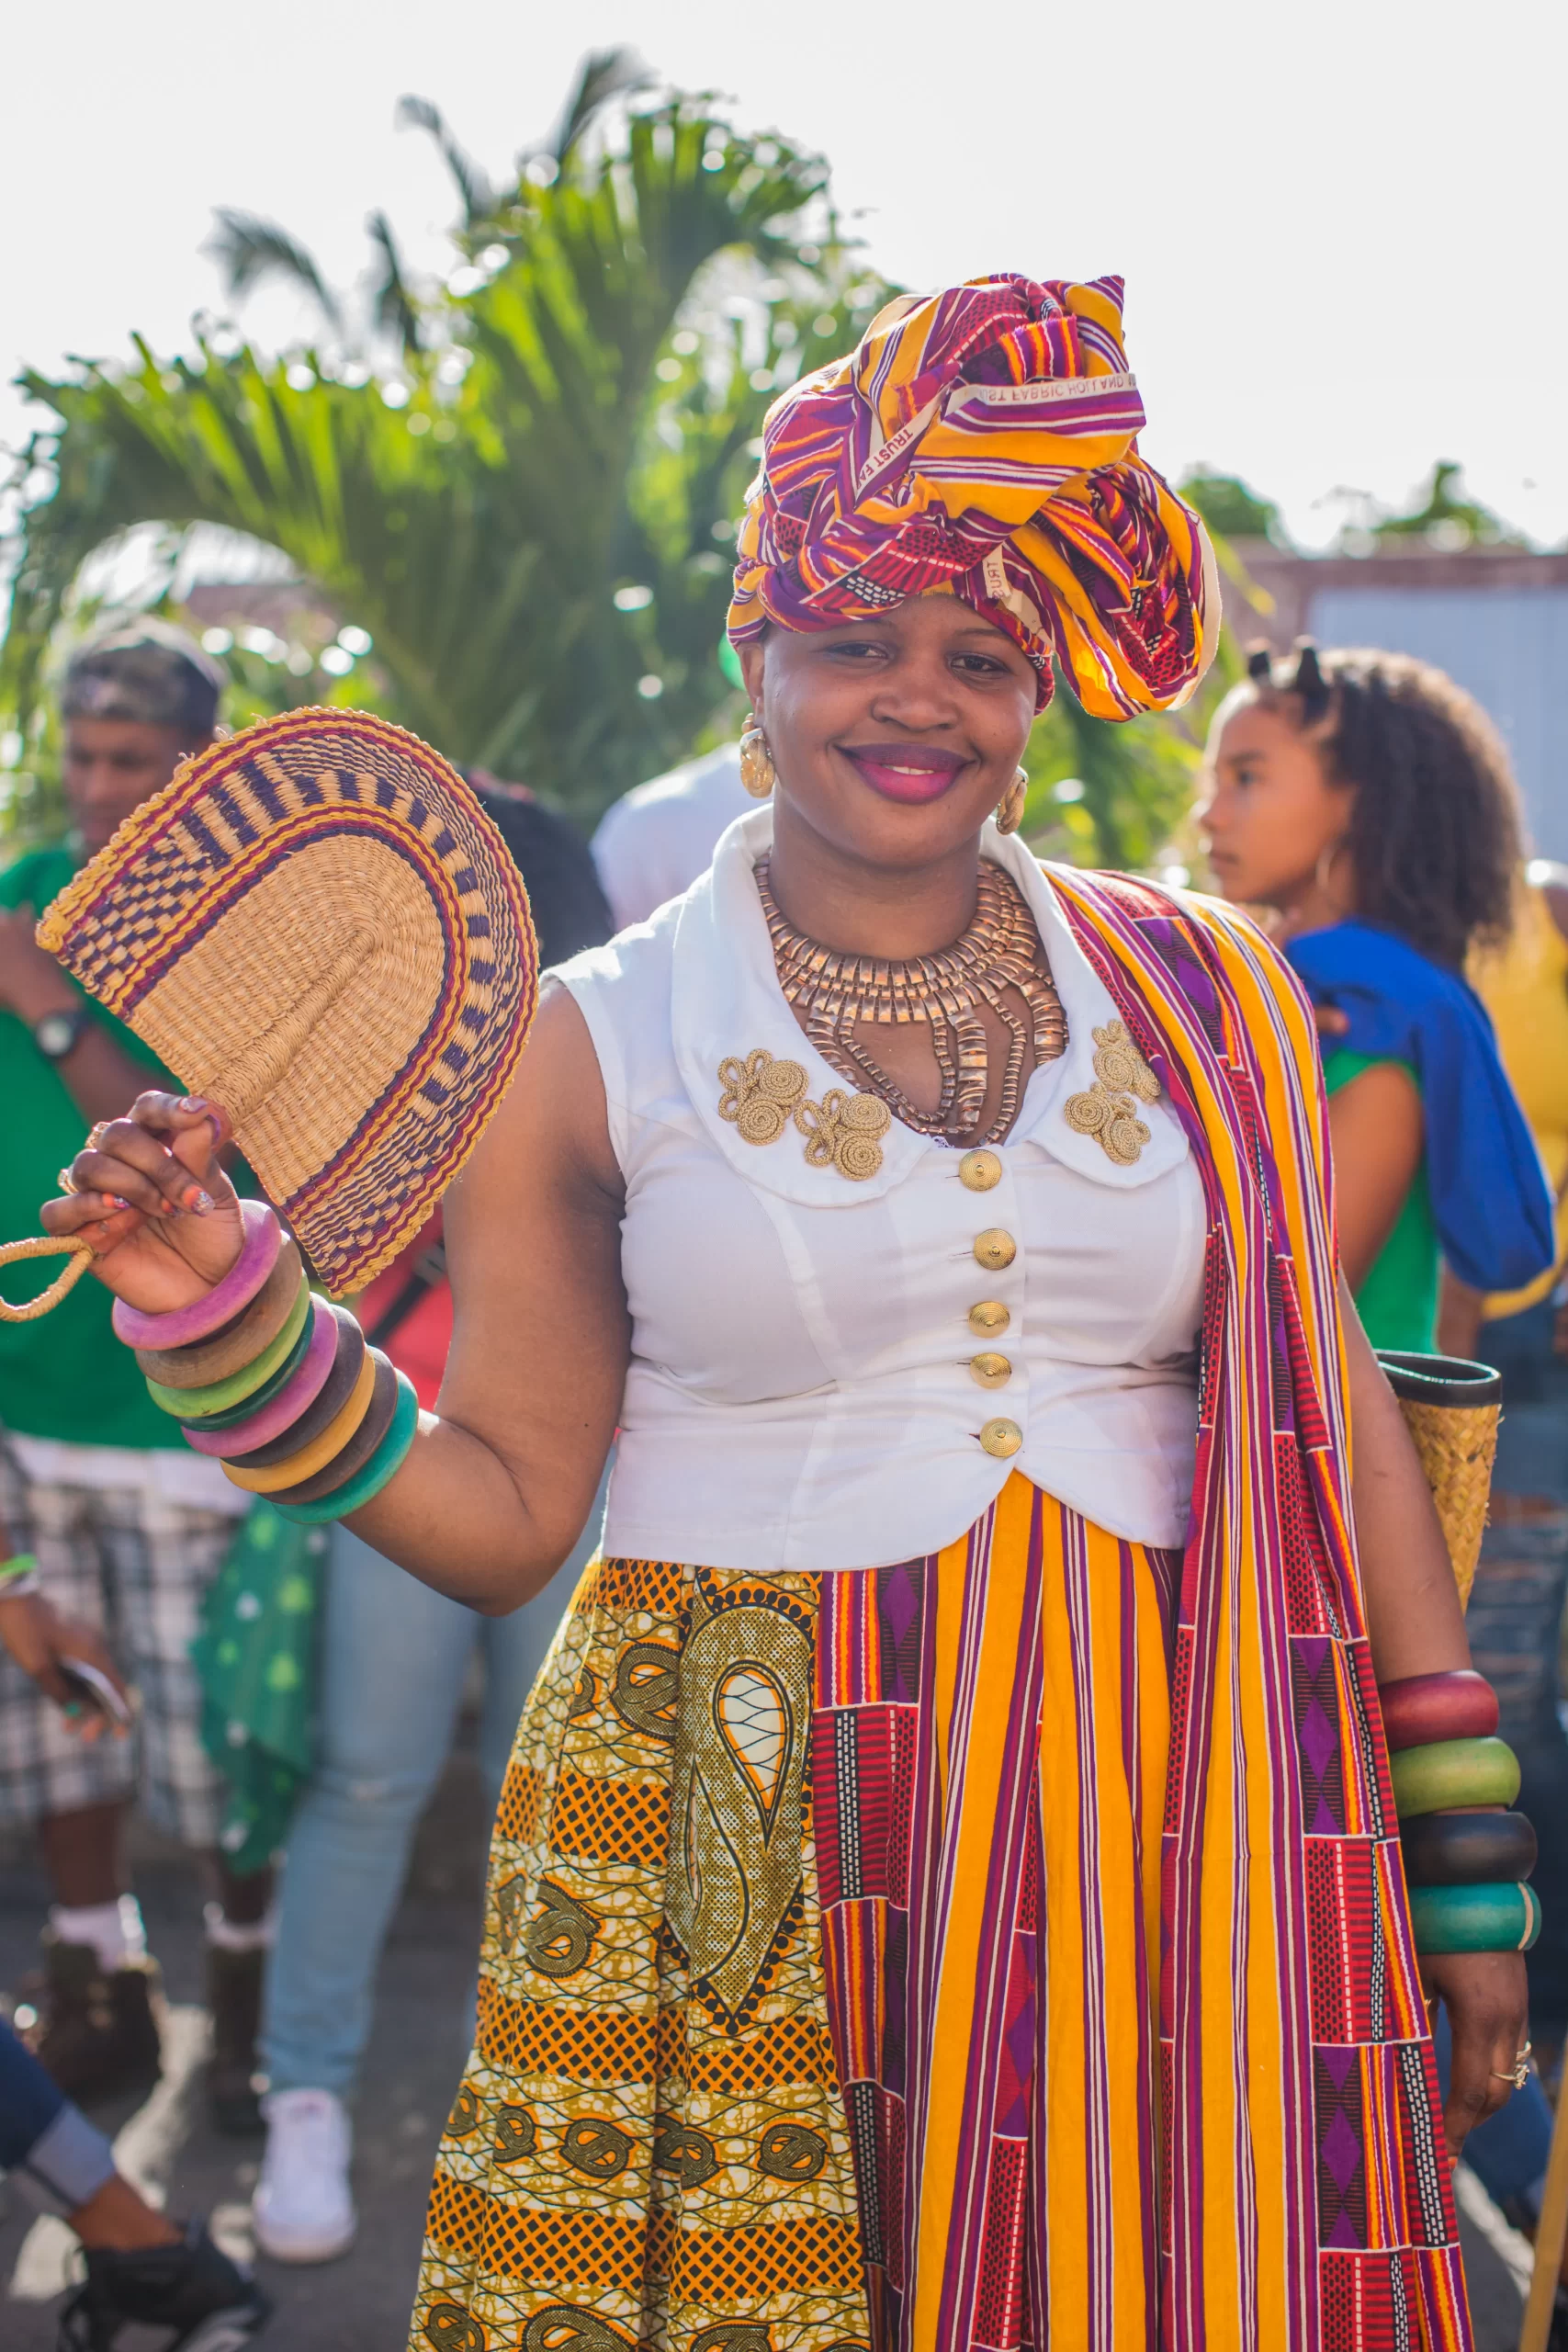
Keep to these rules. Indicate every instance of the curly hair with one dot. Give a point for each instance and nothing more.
(1435, 831)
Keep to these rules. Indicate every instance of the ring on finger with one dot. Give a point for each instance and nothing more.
(96, 1135)
(66, 1180)
(1519, 2072)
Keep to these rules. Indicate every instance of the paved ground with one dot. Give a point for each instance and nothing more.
(361, 2303)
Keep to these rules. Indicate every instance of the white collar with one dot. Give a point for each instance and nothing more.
(727, 1002)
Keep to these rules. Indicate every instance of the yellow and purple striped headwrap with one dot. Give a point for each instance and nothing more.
(984, 441)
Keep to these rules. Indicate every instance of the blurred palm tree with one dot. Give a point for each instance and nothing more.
(1120, 794)
(528, 510)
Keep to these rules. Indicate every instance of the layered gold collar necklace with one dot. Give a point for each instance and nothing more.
(999, 957)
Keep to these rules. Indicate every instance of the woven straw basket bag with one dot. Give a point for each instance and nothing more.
(1451, 1408)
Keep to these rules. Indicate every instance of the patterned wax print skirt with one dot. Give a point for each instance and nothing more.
(781, 1870)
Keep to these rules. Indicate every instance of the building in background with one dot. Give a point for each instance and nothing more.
(1496, 620)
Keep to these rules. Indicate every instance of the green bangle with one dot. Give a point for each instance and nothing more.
(1475, 1919)
(196, 1404)
(266, 1393)
(383, 1465)
(1448, 1774)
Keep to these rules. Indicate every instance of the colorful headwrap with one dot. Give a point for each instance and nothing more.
(984, 441)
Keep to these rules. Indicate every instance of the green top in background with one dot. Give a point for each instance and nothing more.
(66, 1375)
(1398, 1299)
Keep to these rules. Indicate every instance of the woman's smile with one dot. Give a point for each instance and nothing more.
(908, 772)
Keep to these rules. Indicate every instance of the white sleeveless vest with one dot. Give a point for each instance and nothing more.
(803, 1391)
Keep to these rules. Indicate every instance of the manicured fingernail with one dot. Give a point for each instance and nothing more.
(193, 1103)
(73, 1708)
(197, 1202)
(115, 1201)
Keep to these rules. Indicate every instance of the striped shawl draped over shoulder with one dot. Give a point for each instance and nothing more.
(1308, 2205)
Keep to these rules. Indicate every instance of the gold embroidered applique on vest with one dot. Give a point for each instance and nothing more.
(1107, 1111)
(761, 1096)
(841, 1132)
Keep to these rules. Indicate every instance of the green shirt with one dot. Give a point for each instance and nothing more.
(1398, 1299)
(66, 1375)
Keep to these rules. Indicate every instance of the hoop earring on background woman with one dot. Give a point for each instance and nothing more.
(757, 771)
(1009, 808)
(1328, 859)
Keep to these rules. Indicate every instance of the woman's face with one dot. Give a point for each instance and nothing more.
(1269, 813)
(893, 739)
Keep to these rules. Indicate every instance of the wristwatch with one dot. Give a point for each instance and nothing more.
(57, 1033)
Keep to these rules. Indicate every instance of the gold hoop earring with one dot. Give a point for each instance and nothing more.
(1009, 808)
(1328, 859)
(757, 771)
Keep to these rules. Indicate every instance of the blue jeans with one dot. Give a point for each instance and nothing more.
(45, 2143)
(394, 1660)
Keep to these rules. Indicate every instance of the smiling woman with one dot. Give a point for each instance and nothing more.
(951, 1834)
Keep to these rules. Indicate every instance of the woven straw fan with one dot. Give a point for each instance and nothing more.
(315, 925)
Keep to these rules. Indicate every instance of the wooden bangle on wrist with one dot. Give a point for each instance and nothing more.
(1450, 1773)
(1467, 1849)
(352, 1457)
(313, 1417)
(379, 1472)
(313, 1454)
(221, 1395)
(203, 1317)
(1473, 1918)
(270, 1390)
(274, 1410)
(1427, 1707)
(239, 1344)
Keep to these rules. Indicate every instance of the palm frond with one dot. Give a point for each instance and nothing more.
(604, 75)
(472, 181)
(392, 306)
(479, 531)
(249, 249)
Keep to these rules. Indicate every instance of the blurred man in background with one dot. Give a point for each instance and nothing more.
(127, 1525)
(394, 1656)
(654, 841)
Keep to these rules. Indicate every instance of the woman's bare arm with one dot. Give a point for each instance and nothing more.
(1377, 1128)
(1416, 1626)
(496, 1490)
(1413, 1618)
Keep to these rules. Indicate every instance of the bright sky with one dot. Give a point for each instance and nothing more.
(1340, 221)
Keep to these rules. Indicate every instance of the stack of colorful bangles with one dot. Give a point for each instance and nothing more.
(277, 1385)
(1465, 1867)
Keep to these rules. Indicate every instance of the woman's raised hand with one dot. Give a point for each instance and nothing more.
(160, 1217)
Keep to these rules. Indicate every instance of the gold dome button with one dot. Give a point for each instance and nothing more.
(988, 1318)
(990, 1370)
(994, 1248)
(979, 1171)
(1001, 1437)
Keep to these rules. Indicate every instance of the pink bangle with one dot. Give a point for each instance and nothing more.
(280, 1412)
(182, 1324)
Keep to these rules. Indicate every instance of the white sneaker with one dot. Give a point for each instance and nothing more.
(303, 2207)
